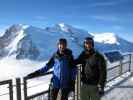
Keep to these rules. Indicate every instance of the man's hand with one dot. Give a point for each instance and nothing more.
(34, 74)
(101, 90)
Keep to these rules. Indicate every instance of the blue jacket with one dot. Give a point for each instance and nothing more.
(64, 69)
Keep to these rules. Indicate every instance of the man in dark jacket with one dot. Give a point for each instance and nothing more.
(64, 70)
(93, 73)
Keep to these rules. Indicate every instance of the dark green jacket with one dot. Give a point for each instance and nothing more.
(93, 68)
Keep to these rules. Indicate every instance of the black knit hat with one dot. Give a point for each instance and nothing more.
(62, 41)
(90, 40)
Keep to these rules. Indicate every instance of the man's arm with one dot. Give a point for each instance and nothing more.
(47, 66)
(80, 58)
(103, 71)
(43, 69)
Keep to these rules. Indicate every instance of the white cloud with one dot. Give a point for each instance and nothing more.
(102, 4)
(40, 17)
(118, 27)
(108, 3)
(104, 17)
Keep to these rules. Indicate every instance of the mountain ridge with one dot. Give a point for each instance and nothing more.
(29, 42)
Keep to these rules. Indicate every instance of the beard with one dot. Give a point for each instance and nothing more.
(89, 50)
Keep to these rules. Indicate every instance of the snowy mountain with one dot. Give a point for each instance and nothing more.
(106, 38)
(110, 41)
(29, 42)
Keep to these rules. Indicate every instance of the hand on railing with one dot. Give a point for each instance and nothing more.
(32, 75)
(100, 90)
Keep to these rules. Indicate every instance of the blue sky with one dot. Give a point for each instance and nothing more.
(93, 15)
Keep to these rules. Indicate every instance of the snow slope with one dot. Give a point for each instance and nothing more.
(11, 68)
(29, 42)
(106, 38)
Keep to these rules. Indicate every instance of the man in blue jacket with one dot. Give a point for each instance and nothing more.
(64, 70)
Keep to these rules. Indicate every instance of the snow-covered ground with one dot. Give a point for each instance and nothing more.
(11, 69)
(122, 91)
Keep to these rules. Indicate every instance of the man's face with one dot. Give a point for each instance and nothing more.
(88, 45)
(61, 47)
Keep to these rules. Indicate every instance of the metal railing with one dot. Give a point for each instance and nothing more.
(113, 72)
(118, 70)
(40, 95)
(9, 87)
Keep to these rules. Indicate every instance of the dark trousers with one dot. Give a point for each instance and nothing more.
(63, 95)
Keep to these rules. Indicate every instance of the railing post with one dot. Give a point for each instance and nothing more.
(18, 88)
(75, 94)
(120, 70)
(79, 82)
(77, 89)
(10, 90)
(25, 89)
(130, 58)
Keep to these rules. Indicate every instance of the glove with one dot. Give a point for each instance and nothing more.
(101, 91)
(34, 74)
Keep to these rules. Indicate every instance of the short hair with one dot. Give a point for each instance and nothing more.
(89, 39)
(62, 41)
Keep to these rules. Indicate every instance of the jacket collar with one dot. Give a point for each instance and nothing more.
(89, 52)
(64, 53)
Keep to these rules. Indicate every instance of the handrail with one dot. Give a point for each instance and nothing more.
(9, 82)
(25, 86)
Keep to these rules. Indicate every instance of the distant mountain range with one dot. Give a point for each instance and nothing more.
(29, 42)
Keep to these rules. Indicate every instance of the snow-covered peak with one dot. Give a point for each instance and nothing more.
(13, 31)
(61, 24)
(106, 38)
(15, 28)
(25, 26)
(13, 45)
(2, 32)
(64, 27)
